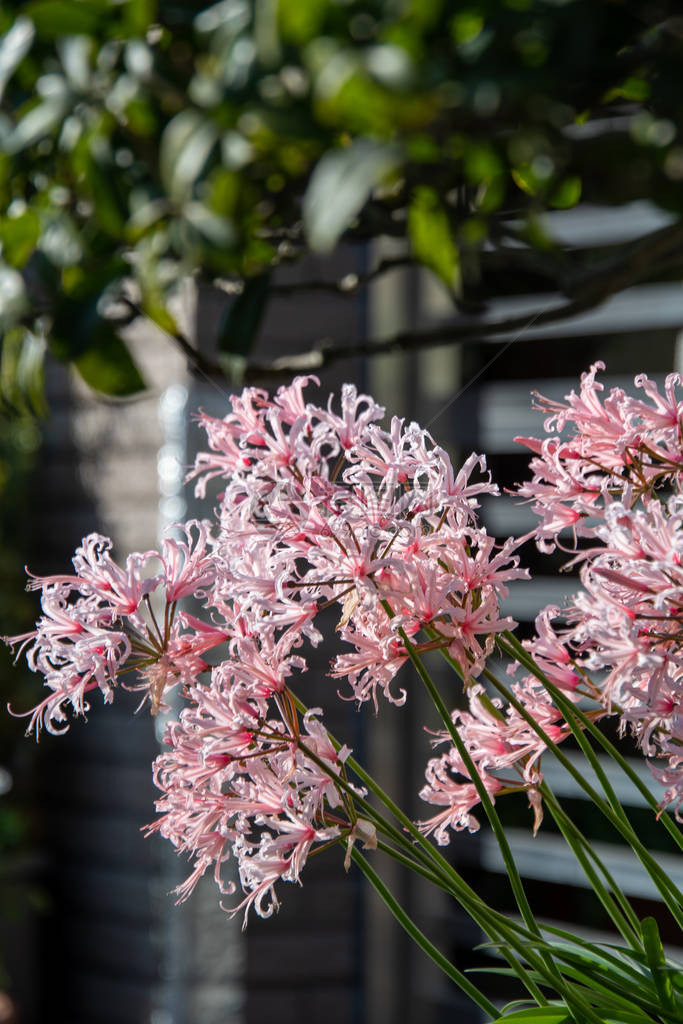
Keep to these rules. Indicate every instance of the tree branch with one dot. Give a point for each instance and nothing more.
(348, 284)
(587, 290)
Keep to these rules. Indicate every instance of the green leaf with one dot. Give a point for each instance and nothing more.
(107, 366)
(567, 193)
(340, 185)
(536, 1015)
(21, 371)
(81, 336)
(185, 147)
(152, 286)
(430, 235)
(56, 18)
(624, 1017)
(75, 52)
(243, 318)
(140, 14)
(19, 236)
(216, 229)
(36, 123)
(100, 183)
(300, 20)
(525, 179)
(155, 309)
(14, 46)
(654, 951)
(633, 88)
(466, 26)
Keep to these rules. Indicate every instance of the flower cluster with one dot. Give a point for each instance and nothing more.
(608, 476)
(611, 470)
(320, 507)
(99, 624)
(323, 506)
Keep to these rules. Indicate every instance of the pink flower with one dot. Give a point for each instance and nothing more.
(189, 567)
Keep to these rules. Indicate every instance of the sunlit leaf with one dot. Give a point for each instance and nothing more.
(185, 147)
(21, 371)
(632, 88)
(567, 193)
(301, 20)
(13, 298)
(74, 52)
(340, 186)
(14, 46)
(38, 122)
(430, 235)
(19, 236)
(216, 229)
(60, 240)
(525, 179)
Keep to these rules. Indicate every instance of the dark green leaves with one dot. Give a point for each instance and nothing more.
(622, 985)
(56, 18)
(243, 318)
(107, 365)
(197, 139)
(81, 333)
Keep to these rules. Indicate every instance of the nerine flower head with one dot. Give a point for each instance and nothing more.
(320, 506)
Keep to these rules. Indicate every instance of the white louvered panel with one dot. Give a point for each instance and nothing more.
(549, 859)
(563, 785)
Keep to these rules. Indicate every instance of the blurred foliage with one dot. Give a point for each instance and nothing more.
(143, 141)
(19, 441)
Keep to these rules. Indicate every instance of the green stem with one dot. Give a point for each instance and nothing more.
(509, 934)
(523, 657)
(626, 908)
(661, 880)
(487, 803)
(421, 939)
(488, 929)
(492, 923)
(620, 912)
